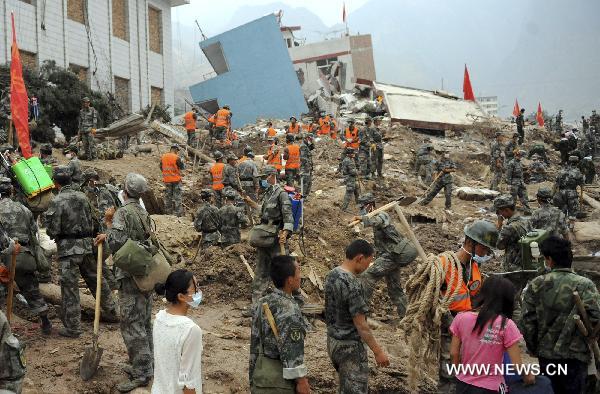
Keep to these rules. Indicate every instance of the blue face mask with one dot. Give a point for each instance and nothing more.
(196, 299)
(482, 259)
(264, 184)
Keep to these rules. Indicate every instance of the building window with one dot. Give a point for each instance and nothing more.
(120, 18)
(324, 65)
(75, 10)
(80, 71)
(155, 29)
(156, 96)
(123, 94)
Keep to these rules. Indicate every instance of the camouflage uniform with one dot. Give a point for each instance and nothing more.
(444, 181)
(350, 173)
(393, 252)
(509, 151)
(588, 169)
(208, 222)
(514, 178)
(248, 177)
(537, 171)
(292, 331)
(548, 327)
(48, 160)
(88, 120)
(344, 299)
(520, 124)
(276, 209)
(377, 152)
(496, 164)
(567, 181)
(135, 306)
(76, 174)
(550, 218)
(306, 167)
(231, 177)
(12, 359)
(508, 240)
(232, 218)
(425, 163)
(71, 223)
(19, 224)
(540, 150)
(364, 152)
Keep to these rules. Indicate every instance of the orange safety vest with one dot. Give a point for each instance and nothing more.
(271, 132)
(211, 119)
(462, 299)
(274, 159)
(170, 170)
(217, 176)
(190, 122)
(352, 135)
(325, 127)
(293, 160)
(293, 130)
(222, 116)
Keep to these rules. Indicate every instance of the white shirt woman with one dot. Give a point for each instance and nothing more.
(177, 339)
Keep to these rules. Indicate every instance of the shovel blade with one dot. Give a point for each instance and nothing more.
(89, 362)
(407, 200)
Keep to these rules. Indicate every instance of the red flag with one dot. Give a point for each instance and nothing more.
(516, 109)
(344, 13)
(19, 102)
(467, 88)
(540, 115)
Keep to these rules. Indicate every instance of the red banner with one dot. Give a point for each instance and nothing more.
(467, 88)
(516, 109)
(19, 103)
(540, 115)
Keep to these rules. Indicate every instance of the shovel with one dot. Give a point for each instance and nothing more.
(402, 201)
(92, 355)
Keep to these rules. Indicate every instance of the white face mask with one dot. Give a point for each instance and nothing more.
(196, 299)
(478, 259)
(68, 156)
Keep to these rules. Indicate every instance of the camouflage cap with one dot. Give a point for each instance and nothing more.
(573, 159)
(205, 194)
(135, 185)
(71, 148)
(62, 174)
(544, 193)
(46, 148)
(90, 173)
(218, 155)
(503, 201)
(85, 99)
(482, 232)
(366, 198)
(269, 170)
(231, 156)
(230, 193)
(247, 149)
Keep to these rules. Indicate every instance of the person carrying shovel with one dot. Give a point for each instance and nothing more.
(443, 180)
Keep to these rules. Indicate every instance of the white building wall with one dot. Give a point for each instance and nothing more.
(65, 41)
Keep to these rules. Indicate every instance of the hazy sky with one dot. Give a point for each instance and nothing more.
(330, 11)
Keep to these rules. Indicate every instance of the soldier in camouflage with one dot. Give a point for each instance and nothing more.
(306, 165)
(514, 178)
(231, 176)
(547, 323)
(536, 170)
(46, 155)
(510, 232)
(289, 346)
(540, 150)
(208, 220)
(350, 173)
(425, 161)
(443, 180)
(70, 222)
(131, 221)
(496, 161)
(509, 149)
(232, 218)
(345, 315)
(377, 148)
(567, 181)
(588, 169)
(12, 359)
(520, 121)
(548, 217)
(20, 225)
(364, 149)
(74, 165)
(276, 209)
(393, 252)
(248, 173)
(102, 199)
(88, 123)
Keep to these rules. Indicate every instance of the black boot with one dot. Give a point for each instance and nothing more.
(46, 324)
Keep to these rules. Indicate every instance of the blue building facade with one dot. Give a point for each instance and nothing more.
(255, 75)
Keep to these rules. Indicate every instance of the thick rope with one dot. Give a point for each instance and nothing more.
(421, 326)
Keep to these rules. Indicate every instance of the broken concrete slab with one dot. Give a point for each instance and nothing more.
(586, 231)
(475, 194)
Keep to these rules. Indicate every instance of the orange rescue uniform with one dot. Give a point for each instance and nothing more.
(352, 135)
(222, 118)
(293, 160)
(271, 132)
(217, 176)
(325, 127)
(293, 129)
(274, 157)
(462, 299)
(190, 121)
(170, 170)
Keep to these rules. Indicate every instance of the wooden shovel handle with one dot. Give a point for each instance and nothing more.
(411, 234)
(98, 290)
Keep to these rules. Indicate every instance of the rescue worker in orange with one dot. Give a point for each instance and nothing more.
(171, 166)
(293, 127)
(351, 141)
(291, 154)
(222, 123)
(273, 156)
(271, 132)
(190, 119)
(216, 177)
(480, 238)
(324, 125)
(333, 127)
